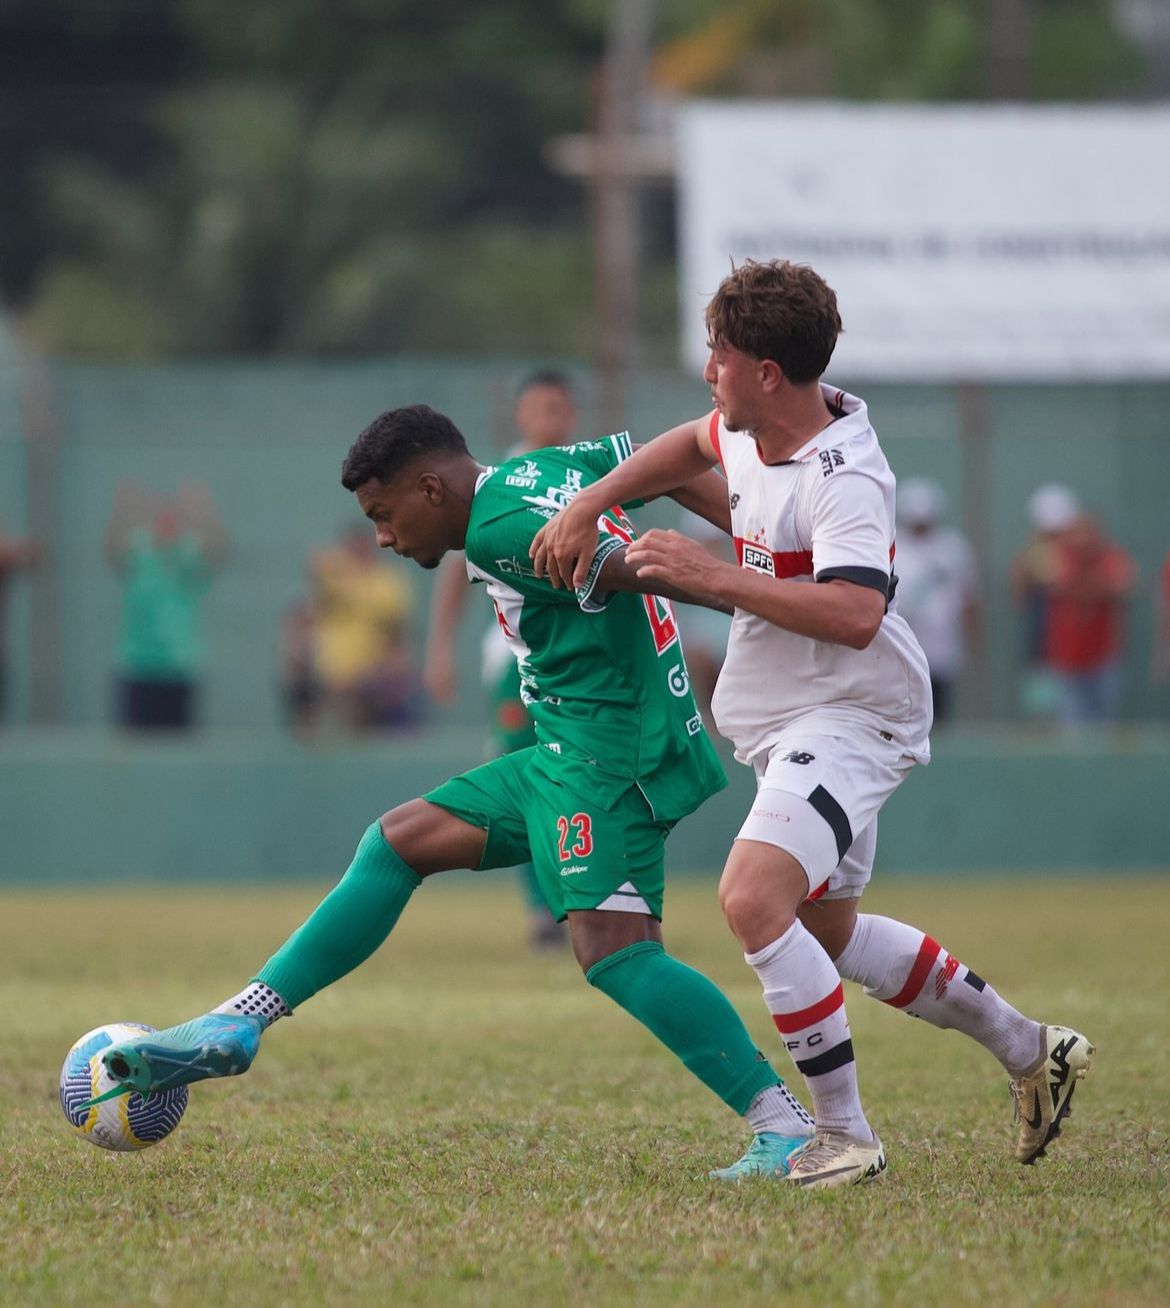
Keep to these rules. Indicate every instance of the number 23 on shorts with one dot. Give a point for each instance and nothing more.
(574, 836)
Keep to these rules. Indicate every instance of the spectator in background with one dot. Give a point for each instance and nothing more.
(165, 551)
(1052, 510)
(1092, 581)
(16, 555)
(938, 587)
(545, 414)
(360, 615)
(299, 687)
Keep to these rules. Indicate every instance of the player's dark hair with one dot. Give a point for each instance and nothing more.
(545, 377)
(396, 437)
(778, 310)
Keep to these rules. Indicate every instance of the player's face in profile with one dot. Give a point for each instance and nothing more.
(545, 415)
(735, 385)
(406, 519)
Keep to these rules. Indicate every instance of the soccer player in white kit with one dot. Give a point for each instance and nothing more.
(825, 693)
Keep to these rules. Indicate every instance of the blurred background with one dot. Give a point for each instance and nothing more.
(231, 233)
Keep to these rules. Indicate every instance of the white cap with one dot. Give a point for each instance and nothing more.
(921, 501)
(1053, 507)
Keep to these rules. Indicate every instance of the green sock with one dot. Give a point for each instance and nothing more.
(692, 1018)
(346, 926)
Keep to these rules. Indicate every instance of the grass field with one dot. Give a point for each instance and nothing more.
(462, 1123)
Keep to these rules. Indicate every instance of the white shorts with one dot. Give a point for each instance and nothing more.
(819, 791)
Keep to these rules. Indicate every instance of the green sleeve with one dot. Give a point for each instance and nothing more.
(604, 455)
(500, 547)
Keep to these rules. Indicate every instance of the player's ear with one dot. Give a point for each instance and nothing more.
(432, 487)
(770, 373)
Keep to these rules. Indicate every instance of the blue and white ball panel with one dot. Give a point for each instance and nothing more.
(123, 1123)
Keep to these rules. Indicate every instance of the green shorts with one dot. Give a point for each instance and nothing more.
(512, 725)
(585, 855)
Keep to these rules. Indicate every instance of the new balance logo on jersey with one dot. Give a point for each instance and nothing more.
(735, 499)
(759, 560)
(798, 756)
(831, 459)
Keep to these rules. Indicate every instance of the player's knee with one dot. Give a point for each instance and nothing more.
(597, 935)
(406, 829)
(755, 906)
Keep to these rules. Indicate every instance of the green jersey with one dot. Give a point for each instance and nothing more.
(603, 675)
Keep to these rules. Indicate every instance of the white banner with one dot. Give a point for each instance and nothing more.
(964, 243)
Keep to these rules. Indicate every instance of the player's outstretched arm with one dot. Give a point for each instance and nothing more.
(564, 548)
(694, 586)
(837, 611)
(706, 496)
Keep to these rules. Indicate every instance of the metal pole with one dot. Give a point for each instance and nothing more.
(975, 515)
(616, 203)
(1010, 37)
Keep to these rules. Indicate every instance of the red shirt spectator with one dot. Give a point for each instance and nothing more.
(1086, 611)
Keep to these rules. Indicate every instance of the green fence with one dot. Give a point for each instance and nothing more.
(242, 797)
(87, 807)
(268, 440)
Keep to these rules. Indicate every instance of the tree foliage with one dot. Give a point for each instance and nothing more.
(255, 176)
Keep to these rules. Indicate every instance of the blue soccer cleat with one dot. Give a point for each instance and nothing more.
(769, 1154)
(217, 1044)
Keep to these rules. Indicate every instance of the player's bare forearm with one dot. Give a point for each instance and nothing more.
(563, 549)
(836, 611)
(706, 495)
(618, 574)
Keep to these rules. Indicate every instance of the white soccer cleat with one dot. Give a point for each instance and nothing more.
(1042, 1096)
(832, 1159)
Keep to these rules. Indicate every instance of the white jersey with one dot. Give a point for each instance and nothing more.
(825, 513)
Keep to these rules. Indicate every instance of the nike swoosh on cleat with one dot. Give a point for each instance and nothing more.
(822, 1176)
(1037, 1119)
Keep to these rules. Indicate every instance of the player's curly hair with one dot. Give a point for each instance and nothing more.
(396, 437)
(778, 310)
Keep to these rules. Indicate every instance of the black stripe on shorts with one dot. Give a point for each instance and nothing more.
(834, 815)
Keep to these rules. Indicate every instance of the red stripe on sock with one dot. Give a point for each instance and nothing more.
(928, 951)
(786, 1023)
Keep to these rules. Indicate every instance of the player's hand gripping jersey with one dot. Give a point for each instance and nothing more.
(827, 512)
(603, 675)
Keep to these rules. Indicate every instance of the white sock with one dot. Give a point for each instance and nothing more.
(258, 1000)
(804, 995)
(905, 968)
(776, 1109)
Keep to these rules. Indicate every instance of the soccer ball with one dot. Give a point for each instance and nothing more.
(123, 1123)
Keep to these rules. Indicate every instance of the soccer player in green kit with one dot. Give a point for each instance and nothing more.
(621, 755)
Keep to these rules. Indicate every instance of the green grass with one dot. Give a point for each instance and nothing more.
(462, 1123)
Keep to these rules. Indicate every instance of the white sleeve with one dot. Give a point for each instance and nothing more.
(851, 527)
